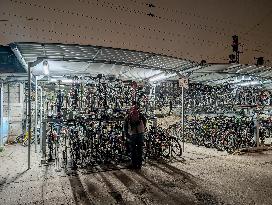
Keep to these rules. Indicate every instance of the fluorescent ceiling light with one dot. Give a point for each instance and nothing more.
(53, 80)
(162, 76)
(255, 82)
(242, 78)
(45, 67)
(67, 81)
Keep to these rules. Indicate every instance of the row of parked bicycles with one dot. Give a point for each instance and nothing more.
(100, 97)
(200, 98)
(94, 133)
(104, 142)
(222, 132)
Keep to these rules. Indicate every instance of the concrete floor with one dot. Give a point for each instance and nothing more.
(203, 176)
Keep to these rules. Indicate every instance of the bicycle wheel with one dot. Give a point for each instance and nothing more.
(165, 150)
(176, 150)
(146, 147)
(231, 144)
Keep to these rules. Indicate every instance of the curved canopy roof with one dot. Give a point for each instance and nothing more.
(142, 40)
(72, 60)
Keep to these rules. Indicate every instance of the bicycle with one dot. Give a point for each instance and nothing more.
(160, 144)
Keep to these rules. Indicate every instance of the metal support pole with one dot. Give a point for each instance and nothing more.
(257, 130)
(1, 114)
(21, 93)
(21, 100)
(29, 113)
(36, 113)
(8, 109)
(43, 142)
(182, 116)
(41, 117)
(26, 107)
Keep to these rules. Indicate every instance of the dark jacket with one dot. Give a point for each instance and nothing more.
(138, 129)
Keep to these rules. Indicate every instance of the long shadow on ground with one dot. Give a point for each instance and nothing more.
(116, 195)
(79, 193)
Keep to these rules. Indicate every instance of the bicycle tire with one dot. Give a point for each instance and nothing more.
(231, 144)
(166, 150)
(176, 148)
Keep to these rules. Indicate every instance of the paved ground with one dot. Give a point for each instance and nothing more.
(203, 176)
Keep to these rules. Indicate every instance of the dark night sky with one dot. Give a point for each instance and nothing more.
(192, 30)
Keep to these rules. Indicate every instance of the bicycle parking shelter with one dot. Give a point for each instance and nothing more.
(83, 64)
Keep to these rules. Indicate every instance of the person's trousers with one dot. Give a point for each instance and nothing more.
(136, 143)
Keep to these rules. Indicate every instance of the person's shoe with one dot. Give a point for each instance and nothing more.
(131, 166)
(138, 167)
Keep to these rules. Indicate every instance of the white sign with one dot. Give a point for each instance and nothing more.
(183, 82)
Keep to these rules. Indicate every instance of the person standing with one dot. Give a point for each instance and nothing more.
(136, 124)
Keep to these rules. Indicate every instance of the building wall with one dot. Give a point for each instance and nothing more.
(13, 107)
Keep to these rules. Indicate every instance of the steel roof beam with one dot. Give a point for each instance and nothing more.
(19, 56)
(129, 64)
